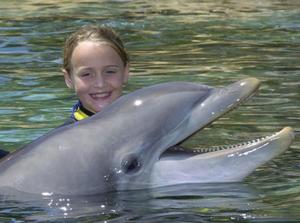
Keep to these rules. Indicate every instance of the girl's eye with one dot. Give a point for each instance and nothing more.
(109, 72)
(85, 74)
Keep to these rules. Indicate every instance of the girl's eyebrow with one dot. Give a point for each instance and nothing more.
(91, 68)
(84, 68)
(112, 66)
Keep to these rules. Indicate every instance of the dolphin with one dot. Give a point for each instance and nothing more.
(125, 147)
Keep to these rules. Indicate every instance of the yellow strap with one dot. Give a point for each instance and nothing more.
(79, 115)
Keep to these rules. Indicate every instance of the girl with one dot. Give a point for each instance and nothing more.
(96, 66)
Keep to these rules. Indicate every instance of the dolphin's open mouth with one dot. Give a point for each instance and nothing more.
(254, 143)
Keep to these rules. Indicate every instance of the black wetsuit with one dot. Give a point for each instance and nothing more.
(3, 153)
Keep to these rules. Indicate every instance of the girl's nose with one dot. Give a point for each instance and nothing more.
(99, 81)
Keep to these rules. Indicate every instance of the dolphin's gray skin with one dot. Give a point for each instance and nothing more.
(118, 149)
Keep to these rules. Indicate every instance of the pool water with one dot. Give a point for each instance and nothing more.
(209, 42)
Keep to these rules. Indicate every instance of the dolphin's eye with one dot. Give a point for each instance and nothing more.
(131, 164)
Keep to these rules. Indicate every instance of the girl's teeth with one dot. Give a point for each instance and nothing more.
(100, 95)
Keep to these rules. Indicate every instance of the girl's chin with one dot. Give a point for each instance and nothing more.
(99, 107)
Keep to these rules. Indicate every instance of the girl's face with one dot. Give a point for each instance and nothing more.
(97, 75)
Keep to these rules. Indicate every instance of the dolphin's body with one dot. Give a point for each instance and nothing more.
(122, 147)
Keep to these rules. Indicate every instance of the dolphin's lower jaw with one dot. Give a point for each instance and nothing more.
(219, 164)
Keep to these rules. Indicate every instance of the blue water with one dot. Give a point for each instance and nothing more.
(211, 42)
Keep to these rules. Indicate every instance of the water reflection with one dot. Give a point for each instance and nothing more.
(196, 202)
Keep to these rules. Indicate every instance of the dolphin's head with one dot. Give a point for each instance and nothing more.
(163, 115)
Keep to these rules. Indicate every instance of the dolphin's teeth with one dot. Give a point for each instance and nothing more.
(232, 146)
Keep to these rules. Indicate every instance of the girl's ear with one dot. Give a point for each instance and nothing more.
(68, 79)
(126, 73)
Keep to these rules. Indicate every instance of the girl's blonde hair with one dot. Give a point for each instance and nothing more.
(93, 33)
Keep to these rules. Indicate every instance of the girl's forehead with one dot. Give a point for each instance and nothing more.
(89, 47)
(92, 53)
(101, 47)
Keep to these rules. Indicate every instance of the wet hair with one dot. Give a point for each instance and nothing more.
(97, 34)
